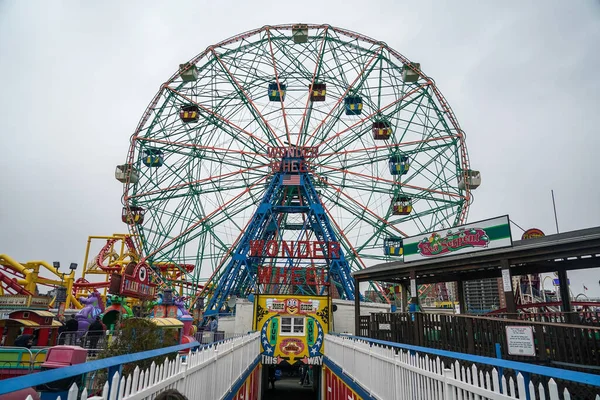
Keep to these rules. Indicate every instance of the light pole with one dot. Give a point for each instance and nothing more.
(61, 291)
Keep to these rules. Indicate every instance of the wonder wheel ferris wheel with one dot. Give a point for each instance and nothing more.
(384, 152)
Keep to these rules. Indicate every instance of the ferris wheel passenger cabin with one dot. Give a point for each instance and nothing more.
(401, 205)
(382, 130)
(188, 72)
(317, 91)
(133, 216)
(399, 164)
(277, 94)
(189, 113)
(408, 74)
(126, 172)
(392, 246)
(153, 158)
(473, 179)
(353, 104)
(300, 33)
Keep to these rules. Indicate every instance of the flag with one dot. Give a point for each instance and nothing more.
(291, 180)
(584, 288)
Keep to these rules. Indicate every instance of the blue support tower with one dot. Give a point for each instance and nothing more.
(290, 195)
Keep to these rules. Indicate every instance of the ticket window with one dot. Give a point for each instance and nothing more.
(292, 326)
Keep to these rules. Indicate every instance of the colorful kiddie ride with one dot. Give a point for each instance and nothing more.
(93, 307)
(170, 313)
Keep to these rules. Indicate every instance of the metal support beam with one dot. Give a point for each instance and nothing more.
(357, 307)
(565, 296)
(460, 293)
(509, 295)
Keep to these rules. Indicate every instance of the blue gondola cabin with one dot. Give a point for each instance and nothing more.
(188, 73)
(153, 158)
(399, 164)
(353, 105)
(300, 33)
(189, 113)
(402, 205)
(133, 216)
(318, 91)
(392, 246)
(382, 130)
(275, 93)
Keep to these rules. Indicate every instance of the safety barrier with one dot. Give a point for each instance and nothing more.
(393, 371)
(210, 370)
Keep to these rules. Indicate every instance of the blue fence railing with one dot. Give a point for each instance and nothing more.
(112, 364)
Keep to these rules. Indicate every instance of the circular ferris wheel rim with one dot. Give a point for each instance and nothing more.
(445, 107)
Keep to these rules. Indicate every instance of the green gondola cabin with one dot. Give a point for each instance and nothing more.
(275, 93)
(188, 72)
(133, 216)
(409, 74)
(153, 158)
(189, 113)
(473, 180)
(126, 172)
(399, 164)
(353, 105)
(402, 205)
(300, 33)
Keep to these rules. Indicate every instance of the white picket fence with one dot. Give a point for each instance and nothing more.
(390, 376)
(207, 373)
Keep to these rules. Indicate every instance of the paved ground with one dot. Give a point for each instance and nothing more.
(289, 388)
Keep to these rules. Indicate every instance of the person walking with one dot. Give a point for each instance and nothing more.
(95, 332)
(71, 332)
(272, 376)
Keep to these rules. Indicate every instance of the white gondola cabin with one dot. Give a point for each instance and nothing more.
(399, 164)
(277, 93)
(189, 113)
(153, 158)
(392, 246)
(473, 180)
(317, 91)
(382, 130)
(133, 216)
(353, 104)
(188, 72)
(300, 33)
(401, 205)
(409, 74)
(126, 172)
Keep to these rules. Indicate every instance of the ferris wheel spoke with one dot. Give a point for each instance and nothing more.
(222, 119)
(268, 130)
(207, 180)
(308, 105)
(362, 75)
(369, 117)
(383, 180)
(285, 122)
(187, 231)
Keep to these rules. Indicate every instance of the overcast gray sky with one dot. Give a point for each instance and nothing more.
(75, 78)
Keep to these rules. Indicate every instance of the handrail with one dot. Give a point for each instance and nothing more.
(23, 382)
(556, 373)
(31, 358)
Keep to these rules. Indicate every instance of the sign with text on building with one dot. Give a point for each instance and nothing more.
(519, 341)
(483, 235)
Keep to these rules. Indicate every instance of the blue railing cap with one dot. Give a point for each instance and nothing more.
(39, 378)
(556, 373)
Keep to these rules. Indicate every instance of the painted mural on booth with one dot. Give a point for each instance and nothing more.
(292, 328)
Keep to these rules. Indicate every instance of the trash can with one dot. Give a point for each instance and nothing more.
(59, 357)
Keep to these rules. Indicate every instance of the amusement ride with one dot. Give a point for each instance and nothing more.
(287, 157)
